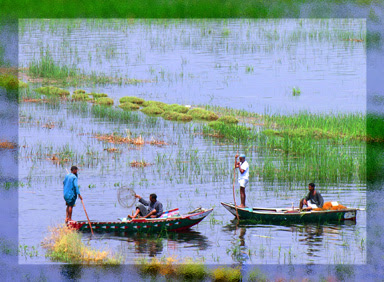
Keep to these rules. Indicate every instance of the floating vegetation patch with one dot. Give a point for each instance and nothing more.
(228, 119)
(176, 108)
(202, 114)
(80, 97)
(117, 139)
(104, 101)
(226, 274)
(52, 90)
(112, 150)
(64, 244)
(7, 145)
(141, 163)
(128, 106)
(154, 103)
(152, 110)
(176, 116)
(98, 95)
(79, 91)
(132, 99)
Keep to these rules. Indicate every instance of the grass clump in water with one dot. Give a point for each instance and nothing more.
(198, 113)
(176, 108)
(53, 91)
(47, 68)
(131, 99)
(176, 116)
(10, 82)
(114, 114)
(79, 91)
(154, 103)
(257, 276)
(127, 106)
(98, 95)
(226, 274)
(228, 119)
(80, 97)
(191, 270)
(104, 101)
(231, 131)
(152, 110)
(64, 244)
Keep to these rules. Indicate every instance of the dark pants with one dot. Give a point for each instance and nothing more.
(144, 210)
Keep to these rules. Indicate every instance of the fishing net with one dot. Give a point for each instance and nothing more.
(126, 197)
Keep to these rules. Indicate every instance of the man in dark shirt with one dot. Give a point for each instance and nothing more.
(313, 198)
(152, 209)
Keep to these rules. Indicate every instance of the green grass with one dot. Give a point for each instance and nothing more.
(154, 103)
(127, 106)
(168, 115)
(10, 82)
(113, 114)
(80, 97)
(104, 101)
(176, 108)
(131, 99)
(228, 119)
(152, 110)
(375, 127)
(52, 91)
(98, 95)
(79, 91)
(202, 114)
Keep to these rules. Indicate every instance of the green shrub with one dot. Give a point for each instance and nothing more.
(228, 119)
(132, 99)
(198, 113)
(104, 101)
(127, 106)
(154, 103)
(152, 110)
(79, 91)
(98, 95)
(176, 116)
(176, 108)
(80, 97)
(51, 90)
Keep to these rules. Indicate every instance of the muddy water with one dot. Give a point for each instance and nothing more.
(191, 170)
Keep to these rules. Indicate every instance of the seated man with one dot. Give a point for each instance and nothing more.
(152, 209)
(313, 199)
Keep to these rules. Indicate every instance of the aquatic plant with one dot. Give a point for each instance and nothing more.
(64, 244)
(80, 97)
(7, 145)
(198, 113)
(79, 91)
(132, 99)
(176, 116)
(191, 270)
(104, 101)
(176, 108)
(128, 106)
(226, 274)
(141, 163)
(52, 90)
(257, 276)
(154, 103)
(10, 82)
(228, 119)
(152, 110)
(98, 95)
(114, 114)
(296, 91)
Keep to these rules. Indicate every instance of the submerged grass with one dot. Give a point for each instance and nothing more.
(64, 244)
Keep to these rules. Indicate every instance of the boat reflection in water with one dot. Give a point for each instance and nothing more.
(304, 242)
(155, 244)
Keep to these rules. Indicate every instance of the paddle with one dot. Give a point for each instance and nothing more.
(234, 198)
(86, 215)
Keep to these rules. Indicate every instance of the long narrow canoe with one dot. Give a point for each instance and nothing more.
(174, 222)
(283, 216)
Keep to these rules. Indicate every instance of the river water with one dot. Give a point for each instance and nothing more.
(243, 64)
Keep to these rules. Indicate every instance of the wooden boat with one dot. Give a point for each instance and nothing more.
(283, 216)
(169, 221)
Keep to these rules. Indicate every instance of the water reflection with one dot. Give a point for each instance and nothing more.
(156, 244)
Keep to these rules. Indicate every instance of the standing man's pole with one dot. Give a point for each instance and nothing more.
(234, 177)
(89, 222)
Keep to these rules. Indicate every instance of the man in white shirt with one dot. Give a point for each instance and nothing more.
(243, 176)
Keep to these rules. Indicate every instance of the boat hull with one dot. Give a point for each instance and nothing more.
(284, 216)
(143, 224)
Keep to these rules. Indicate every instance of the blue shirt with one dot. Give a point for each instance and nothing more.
(71, 189)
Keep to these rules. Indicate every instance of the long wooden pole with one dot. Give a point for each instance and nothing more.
(234, 198)
(89, 222)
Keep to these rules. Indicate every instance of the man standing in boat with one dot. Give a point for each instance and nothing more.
(152, 209)
(313, 199)
(71, 191)
(243, 167)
